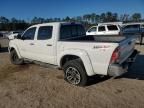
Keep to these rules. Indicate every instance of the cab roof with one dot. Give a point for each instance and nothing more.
(133, 23)
(55, 23)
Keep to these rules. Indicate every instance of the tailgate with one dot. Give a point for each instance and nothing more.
(126, 48)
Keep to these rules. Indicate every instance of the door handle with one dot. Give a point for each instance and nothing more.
(48, 44)
(31, 43)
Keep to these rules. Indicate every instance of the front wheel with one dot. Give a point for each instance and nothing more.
(74, 73)
(15, 59)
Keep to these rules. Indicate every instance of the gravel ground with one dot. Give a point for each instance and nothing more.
(32, 86)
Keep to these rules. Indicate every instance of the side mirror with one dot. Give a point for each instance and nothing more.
(18, 36)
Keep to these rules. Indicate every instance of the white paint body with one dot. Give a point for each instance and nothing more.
(95, 60)
(12, 36)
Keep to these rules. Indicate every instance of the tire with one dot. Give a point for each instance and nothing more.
(74, 73)
(141, 39)
(15, 59)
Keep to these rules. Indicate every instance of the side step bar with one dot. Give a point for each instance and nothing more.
(42, 64)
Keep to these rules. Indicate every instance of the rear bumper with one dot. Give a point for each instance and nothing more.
(119, 69)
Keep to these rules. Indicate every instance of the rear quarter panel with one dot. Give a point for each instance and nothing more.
(99, 53)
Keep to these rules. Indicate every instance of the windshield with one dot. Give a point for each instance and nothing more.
(93, 29)
(71, 31)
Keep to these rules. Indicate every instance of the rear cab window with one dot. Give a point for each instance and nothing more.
(71, 31)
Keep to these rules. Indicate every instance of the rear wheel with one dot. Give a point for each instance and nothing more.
(141, 38)
(74, 73)
(15, 59)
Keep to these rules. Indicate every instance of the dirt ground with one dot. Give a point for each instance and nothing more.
(33, 86)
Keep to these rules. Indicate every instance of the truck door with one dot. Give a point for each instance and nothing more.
(27, 43)
(44, 45)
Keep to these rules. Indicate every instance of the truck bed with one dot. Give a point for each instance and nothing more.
(101, 38)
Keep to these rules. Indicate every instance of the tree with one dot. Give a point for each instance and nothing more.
(124, 18)
(78, 18)
(87, 20)
(93, 18)
(136, 17)
(97, 18)
(103, 17)
(4, 20)
(37, 20)
(109, 17)
(115, 17)
(68, 19)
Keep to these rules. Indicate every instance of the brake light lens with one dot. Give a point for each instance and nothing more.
(115, 56)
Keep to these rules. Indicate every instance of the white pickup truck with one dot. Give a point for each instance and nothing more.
(66, 46)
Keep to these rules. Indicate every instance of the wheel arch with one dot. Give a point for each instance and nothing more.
(68, 57)
(16, 49)
(76, 54)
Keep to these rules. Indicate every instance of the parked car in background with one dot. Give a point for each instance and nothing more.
(66, 46)
(13, 34)
(0, 45)
(104, 29)
(136, 29)
(1, 35)
(116, 23)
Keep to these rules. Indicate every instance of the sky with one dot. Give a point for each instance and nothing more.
(27, 9)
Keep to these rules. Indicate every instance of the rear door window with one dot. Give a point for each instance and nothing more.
(112, 27)
(45, 32)
(142, 26)
(101, 28)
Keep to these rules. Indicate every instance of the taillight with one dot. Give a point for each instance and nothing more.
(115, 56)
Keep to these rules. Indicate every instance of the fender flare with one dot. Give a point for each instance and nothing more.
(16, 49)
(82, 55)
